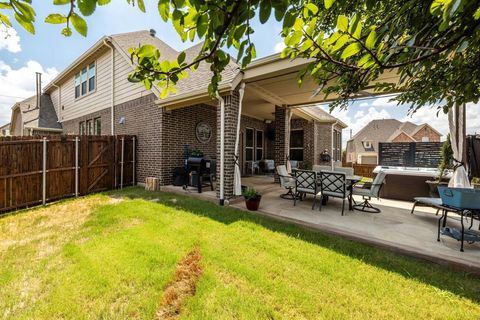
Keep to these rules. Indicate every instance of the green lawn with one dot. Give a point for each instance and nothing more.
(111, 256)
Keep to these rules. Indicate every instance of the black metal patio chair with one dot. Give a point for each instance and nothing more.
(306, 183)
(333, 184)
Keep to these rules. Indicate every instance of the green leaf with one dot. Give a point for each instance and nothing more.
(371, 39)
(26, 24)
(328, 4)
(340, 43)
(79, 24)
(67, 32)
(164, 9)
(26, 10)
(87, 7)
(5, 5)
(202, 25)
(181, 57)
(103, 2)
(350, 50)
(141, 5)
(146, 51)
(5, 19)
(56, 18)
(312, 7)
(342, 23)
(61, 2)
(265, 10)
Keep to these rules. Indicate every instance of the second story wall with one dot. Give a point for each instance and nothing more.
(100, 97)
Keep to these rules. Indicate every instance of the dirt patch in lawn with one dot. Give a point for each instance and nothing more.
(183, 286)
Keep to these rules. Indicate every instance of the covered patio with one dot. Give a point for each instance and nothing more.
(394, 228)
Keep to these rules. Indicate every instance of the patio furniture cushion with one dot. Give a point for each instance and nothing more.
(429, 201)
(286, 180)
(333, 194)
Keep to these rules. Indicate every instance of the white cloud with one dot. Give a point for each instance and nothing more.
(9, 39)
(440, 122)
(279, 47)
(18, 84)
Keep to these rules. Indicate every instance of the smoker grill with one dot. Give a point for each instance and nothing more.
(199, 171)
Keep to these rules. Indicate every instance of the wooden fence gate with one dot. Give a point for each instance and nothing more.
(35, 170)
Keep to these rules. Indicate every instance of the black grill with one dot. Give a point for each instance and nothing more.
(200, 170)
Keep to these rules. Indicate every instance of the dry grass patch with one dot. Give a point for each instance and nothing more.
(48, 227)
(184, 284)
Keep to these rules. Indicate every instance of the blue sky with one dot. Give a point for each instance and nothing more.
(22, 54)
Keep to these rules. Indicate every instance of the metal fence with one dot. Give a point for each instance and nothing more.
(410, 154)
(36, 170)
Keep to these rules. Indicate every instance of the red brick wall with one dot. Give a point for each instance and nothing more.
(427, 132)
(179, 129)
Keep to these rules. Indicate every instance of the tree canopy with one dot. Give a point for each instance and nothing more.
(433, 45)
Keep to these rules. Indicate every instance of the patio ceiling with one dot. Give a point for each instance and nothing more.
(275, 81)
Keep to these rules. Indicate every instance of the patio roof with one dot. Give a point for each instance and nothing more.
(272, 81)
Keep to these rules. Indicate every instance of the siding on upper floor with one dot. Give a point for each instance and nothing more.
(100, 98)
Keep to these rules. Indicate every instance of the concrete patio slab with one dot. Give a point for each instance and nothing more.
(394, 228)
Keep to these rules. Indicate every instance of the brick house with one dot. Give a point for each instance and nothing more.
(279, 120)
(363, 147)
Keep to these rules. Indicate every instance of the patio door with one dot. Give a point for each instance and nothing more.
(253, 149)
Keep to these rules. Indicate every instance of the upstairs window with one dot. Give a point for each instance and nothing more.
(85, 80)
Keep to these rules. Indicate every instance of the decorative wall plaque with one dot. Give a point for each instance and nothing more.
(203, 131)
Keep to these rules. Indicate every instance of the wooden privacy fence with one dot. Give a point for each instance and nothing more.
(35, 170)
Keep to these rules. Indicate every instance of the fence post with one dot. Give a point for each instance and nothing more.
(121, 162)
(133, 162)
(44, 172)
(76, 166)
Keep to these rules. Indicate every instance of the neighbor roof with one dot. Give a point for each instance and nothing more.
(383, 130)
(34, 117)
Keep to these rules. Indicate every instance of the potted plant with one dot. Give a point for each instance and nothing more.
(252, 199)
(476, 182)
(196, 153)
(446, 163)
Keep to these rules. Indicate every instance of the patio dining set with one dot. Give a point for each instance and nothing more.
(323, 183)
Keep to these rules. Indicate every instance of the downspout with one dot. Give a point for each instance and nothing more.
(333, 131)
(112, 85)
(59, 88)
(222, 149)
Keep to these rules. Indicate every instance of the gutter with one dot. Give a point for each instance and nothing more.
(112, 85)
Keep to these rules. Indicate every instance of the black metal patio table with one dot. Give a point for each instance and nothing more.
(351, 181)
(462, 212)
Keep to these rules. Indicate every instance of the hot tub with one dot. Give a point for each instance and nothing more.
(406, 183)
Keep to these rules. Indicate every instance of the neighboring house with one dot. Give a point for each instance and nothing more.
(29, 118)
(5, 130)
(363, 147)
(278, 119)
